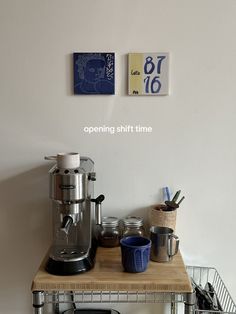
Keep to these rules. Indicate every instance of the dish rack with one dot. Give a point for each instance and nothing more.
(200, 275)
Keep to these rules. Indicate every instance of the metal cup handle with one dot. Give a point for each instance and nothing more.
(170, 240)
(50, 157)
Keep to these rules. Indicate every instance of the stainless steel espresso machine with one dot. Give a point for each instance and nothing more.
(71, 190)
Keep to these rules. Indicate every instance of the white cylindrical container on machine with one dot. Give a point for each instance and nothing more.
(66, 160)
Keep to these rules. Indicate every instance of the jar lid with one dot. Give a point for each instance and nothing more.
(132, 221)
(110, 221)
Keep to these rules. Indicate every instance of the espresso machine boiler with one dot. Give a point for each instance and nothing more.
(74, 220)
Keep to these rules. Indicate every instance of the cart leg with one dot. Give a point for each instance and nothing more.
(55, 303)
(38, 302)
(174, 308)
(174, 305)
(189, 304)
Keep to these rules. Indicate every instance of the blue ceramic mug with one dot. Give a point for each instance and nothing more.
(135, 252)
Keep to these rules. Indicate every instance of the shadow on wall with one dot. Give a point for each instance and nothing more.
(69, 70)
(25, 227)
(124, 75)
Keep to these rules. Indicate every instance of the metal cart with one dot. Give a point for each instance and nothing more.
(72, 296)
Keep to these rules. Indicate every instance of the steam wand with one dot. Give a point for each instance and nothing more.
(98, 208)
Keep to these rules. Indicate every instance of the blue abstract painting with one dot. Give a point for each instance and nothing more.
(94, 73)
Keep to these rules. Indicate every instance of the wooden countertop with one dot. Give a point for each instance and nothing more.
(108, 275)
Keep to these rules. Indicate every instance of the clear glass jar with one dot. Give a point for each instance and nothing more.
(109, 235)
(133, 226)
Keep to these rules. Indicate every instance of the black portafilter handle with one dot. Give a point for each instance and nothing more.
(98, 208)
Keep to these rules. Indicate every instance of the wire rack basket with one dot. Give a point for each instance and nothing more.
(202, 275)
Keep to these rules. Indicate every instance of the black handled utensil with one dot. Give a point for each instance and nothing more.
(176, 196)
(172, 205)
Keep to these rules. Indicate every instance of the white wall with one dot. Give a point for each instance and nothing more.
(192, 146)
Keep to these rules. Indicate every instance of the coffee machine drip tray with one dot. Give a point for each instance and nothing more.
(69, 253)
(71, 260)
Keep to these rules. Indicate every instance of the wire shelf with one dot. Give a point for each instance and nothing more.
(202, 275)
(111, 297)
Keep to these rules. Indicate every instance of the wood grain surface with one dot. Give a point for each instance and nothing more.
(108, 275)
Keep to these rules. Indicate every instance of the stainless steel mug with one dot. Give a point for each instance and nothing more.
(165, 244)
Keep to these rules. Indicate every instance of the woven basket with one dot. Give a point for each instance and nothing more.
(158, 217)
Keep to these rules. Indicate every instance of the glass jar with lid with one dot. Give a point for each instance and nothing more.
(133, 226)
(109, 235)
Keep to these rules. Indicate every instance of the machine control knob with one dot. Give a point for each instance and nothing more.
(92, 176)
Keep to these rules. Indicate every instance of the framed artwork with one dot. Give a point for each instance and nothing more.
(94, 73)
(148, 73)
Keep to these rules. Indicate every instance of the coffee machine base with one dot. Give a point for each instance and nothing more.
(63, 268)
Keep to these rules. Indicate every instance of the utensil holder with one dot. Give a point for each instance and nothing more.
(158, 216)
